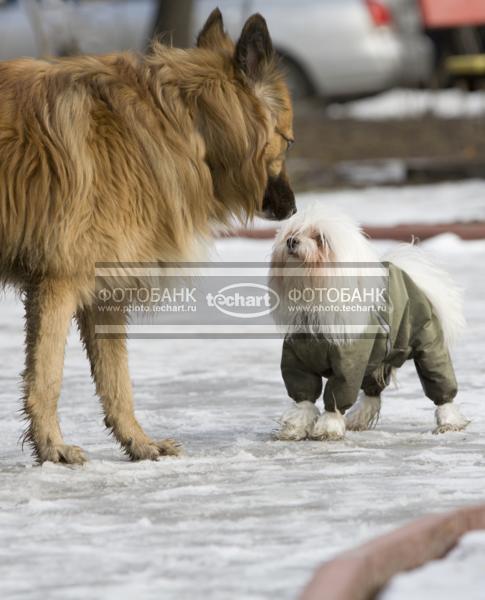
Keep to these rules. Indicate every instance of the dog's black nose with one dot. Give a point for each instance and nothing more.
(292, 243)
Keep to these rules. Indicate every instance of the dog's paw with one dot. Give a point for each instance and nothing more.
(61, 453)
(330, 426)
(297, 423)
(449, 418)
(364, 414)
(154, 450)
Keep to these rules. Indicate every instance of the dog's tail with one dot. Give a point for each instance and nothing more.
(444, 294)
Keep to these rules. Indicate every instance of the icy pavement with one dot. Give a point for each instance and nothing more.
(240, 516)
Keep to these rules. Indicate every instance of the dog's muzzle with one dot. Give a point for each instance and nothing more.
(279, 199)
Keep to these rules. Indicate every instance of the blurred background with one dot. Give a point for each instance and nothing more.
(386, 91)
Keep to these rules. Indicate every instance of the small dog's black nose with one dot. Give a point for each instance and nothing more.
(292, 243)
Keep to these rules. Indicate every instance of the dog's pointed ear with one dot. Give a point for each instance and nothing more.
(254, 49)
(212, 36)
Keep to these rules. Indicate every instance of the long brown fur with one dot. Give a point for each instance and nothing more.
(127, 158)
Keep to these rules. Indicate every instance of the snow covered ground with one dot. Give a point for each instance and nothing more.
(462, 201)
(404, 104)
(240, 516)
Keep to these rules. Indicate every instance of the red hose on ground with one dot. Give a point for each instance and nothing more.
(404, 233)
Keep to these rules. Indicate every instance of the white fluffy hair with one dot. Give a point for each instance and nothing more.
(344, 242)
(437, 284)
(344, 235)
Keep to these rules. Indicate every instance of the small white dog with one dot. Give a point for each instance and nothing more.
(352, 319)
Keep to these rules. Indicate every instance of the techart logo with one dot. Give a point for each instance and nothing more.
(245, 300)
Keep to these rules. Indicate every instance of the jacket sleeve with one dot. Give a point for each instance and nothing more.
(348, 363)
(300, 381)
(433, 363)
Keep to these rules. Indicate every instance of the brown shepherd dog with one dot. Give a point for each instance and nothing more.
(127, 158)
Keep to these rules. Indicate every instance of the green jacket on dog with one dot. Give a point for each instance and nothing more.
(365, 363)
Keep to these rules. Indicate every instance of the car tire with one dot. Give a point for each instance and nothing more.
(298, 82)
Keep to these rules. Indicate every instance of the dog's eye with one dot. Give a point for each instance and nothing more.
(289, 141)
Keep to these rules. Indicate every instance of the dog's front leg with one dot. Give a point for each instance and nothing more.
(330, 426)
(49, 308)
(109, 368)
(364, 414)
(297, 423)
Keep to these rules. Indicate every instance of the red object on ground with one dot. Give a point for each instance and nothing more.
(361, 573)
(452, 13)
(379, 12)
(403, 233)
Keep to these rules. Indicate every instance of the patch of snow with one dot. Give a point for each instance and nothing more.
(373, 172)
(405, 104)
(449, 202)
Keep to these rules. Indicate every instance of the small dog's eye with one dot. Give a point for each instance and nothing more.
(320, 240)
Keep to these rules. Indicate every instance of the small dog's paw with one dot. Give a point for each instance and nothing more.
(154, 450)
(297, 423)
(447, 428)
(449, 418)
(330, 426)
(364, 414)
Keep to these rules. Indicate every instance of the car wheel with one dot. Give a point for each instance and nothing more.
(298, 82)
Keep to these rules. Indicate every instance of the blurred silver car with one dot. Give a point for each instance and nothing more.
(339, 48)
(331, 48)
(58, 27)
